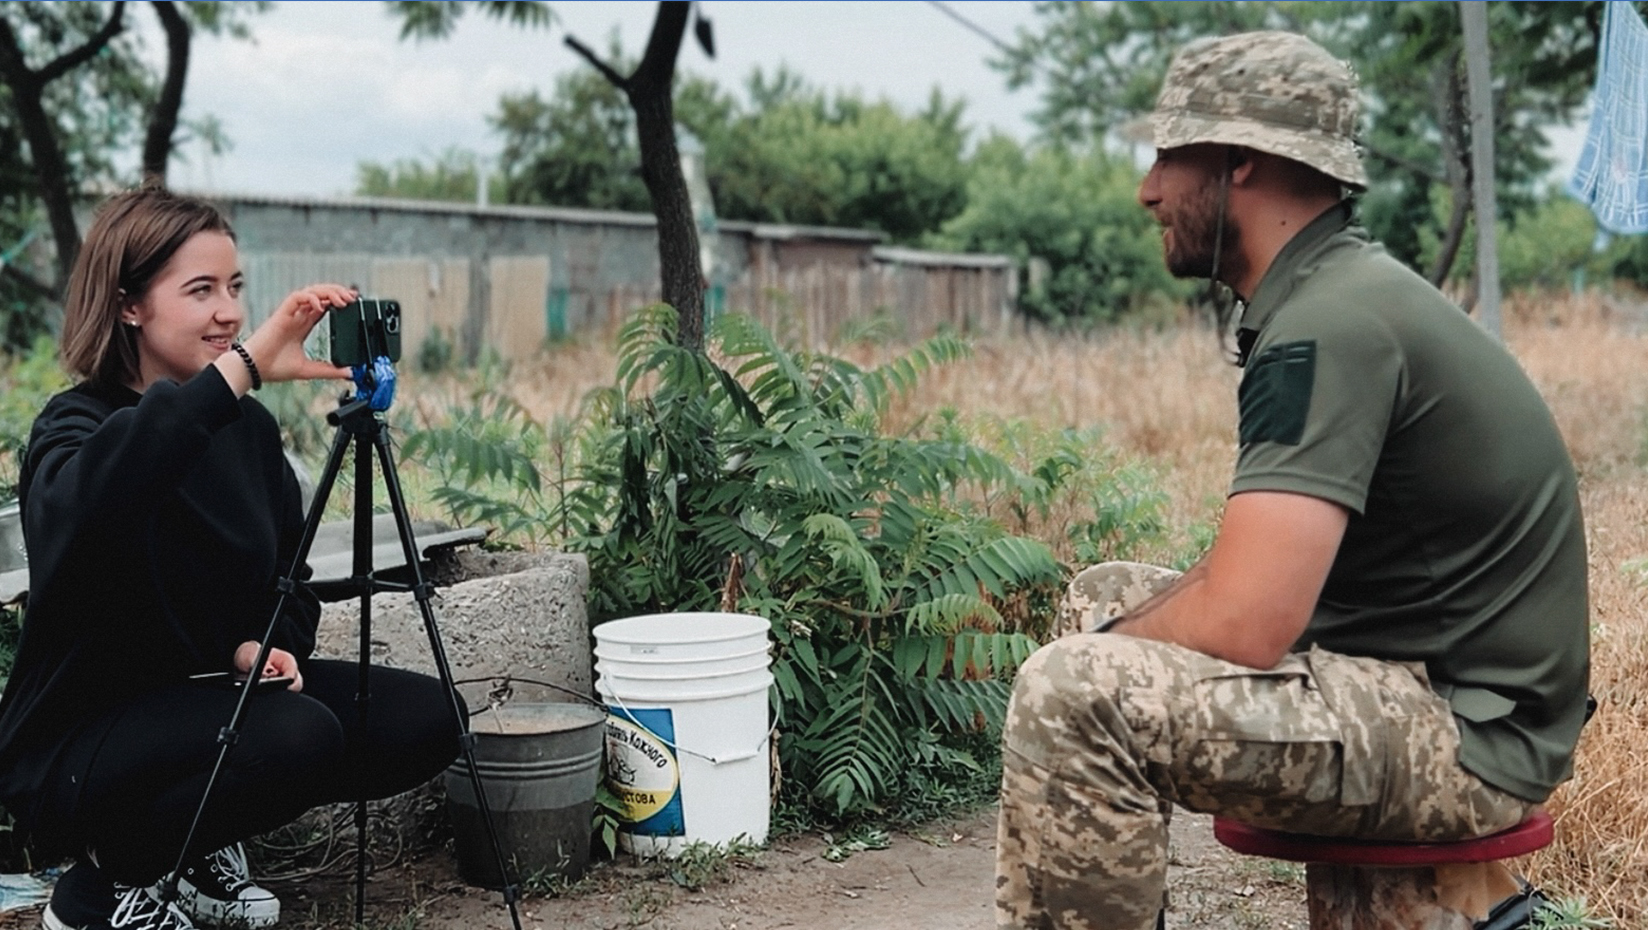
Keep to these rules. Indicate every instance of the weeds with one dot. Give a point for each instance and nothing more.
(703, 864)
(1285, 873)
(550, 881)
(859, 839)
(1568, 914)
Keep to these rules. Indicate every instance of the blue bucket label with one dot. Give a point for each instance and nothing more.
(642, 770)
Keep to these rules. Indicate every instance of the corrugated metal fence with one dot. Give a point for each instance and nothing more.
(525, 309)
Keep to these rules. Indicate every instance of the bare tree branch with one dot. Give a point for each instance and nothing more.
(1425, 171)
(74, 58)
(617, 80)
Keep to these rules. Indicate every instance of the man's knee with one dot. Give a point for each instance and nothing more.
(1108, 590)
(1081, 689)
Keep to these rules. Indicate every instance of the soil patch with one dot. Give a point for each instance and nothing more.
(938, 877)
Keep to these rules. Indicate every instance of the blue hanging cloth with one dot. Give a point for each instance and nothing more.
(1612, 174)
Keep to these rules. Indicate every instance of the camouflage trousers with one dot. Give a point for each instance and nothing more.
(1105, 732)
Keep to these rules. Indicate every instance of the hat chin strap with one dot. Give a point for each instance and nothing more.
(1224, 301)
(1219, 224)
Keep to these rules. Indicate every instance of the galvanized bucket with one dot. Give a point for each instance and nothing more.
(538, 764)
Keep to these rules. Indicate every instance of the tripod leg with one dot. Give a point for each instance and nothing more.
(362, 572)
(230, 734)
(423, 593)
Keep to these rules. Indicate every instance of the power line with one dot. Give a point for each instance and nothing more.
(975, 27)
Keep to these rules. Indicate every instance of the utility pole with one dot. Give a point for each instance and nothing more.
(1473, 15)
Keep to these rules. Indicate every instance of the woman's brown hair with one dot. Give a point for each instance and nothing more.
(133, 237)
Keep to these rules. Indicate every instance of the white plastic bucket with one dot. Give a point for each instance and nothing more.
(686, 730)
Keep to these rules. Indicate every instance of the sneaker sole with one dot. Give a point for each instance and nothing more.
(203, 909)
(50, 921)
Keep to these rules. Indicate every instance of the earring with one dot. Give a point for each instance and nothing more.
(131, 323)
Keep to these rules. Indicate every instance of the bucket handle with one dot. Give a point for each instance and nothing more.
(713, 760)
(501, 691)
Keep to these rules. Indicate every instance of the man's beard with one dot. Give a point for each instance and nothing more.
(1194, 240)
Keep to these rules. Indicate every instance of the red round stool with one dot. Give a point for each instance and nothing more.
(1374, 885)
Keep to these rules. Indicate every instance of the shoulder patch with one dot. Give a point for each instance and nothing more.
(1274, 398)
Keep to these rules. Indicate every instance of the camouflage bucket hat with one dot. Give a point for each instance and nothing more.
(1275, 92)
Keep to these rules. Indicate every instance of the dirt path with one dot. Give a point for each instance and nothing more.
(936, 878)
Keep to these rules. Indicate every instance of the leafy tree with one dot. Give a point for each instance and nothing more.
(1100, 65)
(800, 155)
(578, 147)
(1076, 211)
(794, 154)
(431, 19)
(453, 175)
(69, 37)
(76, 91)
(1544, 247)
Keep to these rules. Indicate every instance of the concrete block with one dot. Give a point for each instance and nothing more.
(514, 614)
(499, 614)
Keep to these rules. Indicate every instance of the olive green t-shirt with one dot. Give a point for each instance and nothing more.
(1465, 548)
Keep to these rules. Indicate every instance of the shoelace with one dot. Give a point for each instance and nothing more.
(136, 908)
(229, 864)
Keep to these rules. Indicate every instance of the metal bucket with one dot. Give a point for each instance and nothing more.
(538, 764)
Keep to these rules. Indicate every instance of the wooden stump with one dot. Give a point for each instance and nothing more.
(1349, 897)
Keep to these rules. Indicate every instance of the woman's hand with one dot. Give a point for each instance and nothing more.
(280, 664)
(277, 345)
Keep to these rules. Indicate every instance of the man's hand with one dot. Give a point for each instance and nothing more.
(280, 664)
(1253, 595)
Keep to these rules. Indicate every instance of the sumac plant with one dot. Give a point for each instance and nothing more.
(762, 478)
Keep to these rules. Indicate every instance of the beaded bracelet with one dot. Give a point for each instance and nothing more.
(251, 366)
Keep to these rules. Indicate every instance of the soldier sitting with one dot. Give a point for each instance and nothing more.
(1388, 638)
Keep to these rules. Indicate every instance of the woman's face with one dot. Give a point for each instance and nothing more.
(191, 311)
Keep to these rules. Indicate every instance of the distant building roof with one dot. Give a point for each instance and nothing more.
(778, 231)
(407, 205)
(903, 256)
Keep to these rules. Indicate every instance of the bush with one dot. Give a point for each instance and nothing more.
(26, 383)
(764, 485)
(1079, 213)
(767, 481)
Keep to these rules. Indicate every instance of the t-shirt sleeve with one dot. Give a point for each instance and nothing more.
(1315, 404)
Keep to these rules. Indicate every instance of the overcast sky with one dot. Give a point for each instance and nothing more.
(324, 86)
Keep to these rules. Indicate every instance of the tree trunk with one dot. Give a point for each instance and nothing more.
(1450, 119)
(157, 144)
(1474, 16)
(50, 170)
(650, 94)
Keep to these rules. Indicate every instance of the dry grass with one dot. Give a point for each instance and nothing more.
(1166, 397)
(1588, 358)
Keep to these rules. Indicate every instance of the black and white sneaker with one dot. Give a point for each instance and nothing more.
(134, 909)
(218, 890)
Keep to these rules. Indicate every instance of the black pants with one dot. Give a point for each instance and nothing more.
(135, 799)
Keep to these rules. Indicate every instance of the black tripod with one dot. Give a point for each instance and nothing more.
(356, 421)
